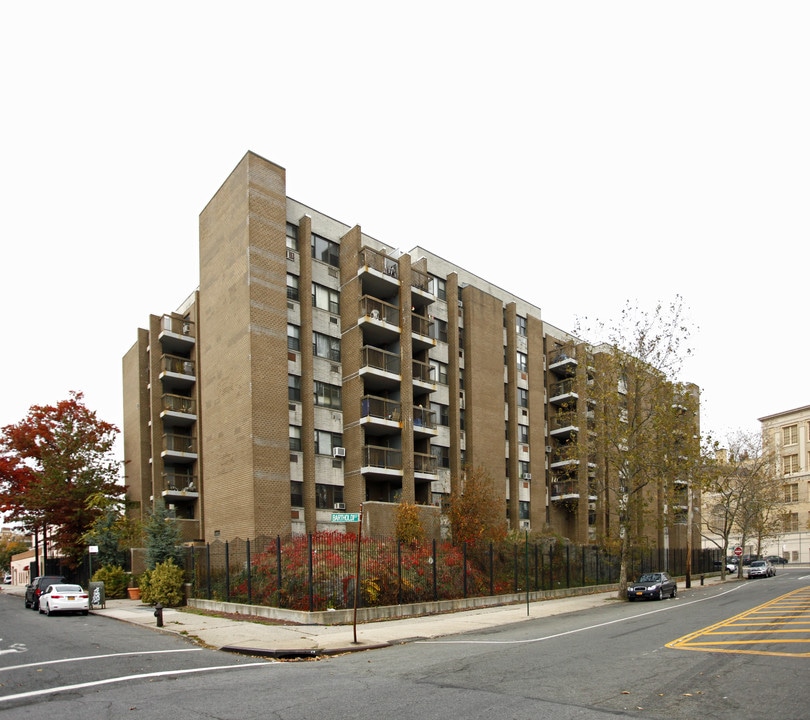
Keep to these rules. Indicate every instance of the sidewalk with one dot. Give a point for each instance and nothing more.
(289, 641)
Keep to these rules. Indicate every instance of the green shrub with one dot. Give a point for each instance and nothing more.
(162, 585)
(115, 580)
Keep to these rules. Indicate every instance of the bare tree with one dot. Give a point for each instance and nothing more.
(645, 421)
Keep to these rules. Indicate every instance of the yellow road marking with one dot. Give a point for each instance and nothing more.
(780, 613)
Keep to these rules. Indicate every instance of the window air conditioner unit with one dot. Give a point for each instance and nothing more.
(340, 506)
(291, 255)
(339, 452)
(527, 476)
(548, 448)
(524, 524)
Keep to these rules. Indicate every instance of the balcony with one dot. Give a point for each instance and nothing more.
(177, 373)
(425, 465)
(420, 333)
(562, 393)
(380, 416)
(380, 369)
(179, 487)
(423, 375)
(176, 335)
(563, 361)
(424, 422)
(420, 289)
(178, 410)
(381, 460)
(378, 320)
(179, 448)
(379, 272)
(563, 425)
(563, 457)
(564, 490)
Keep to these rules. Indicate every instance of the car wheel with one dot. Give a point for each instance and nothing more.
(85, 612)
(660, 594)
(630, 599)
(27, 604)
(674, 592)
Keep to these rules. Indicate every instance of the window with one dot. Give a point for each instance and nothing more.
(296, 493)
(524, 509)
(325, 298)
(791, 493)
(790, 464)
(790, 434)
(441, 413)
(523, 397)
(327, 395)
(439, 371)
(792, 522)
(295, 438)
(292, 236)
(293, 388)
(438, 330)
(523, 434)
(523, 468)
(521, 325)
(326, 346)
(442, 455)
(325, 441)
(327, 495)
(522, 362)
(439, 287)
(325, 250)
(293, 337)
(292, 287)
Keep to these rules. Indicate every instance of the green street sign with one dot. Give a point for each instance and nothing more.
(345, 517)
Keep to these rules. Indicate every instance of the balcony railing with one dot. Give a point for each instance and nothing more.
(564, 387)
(382, 457)
(422, 417)
(179, 443)
(420, 280)
(566, 488)
(377, 309)
(180, 483)
(378, 407)
(180, 404)
(178, 325)
(563, 420)
(376, 260)
(178, 365)
(420, 325)
(373, 357)
(425, 463)
(422, 371)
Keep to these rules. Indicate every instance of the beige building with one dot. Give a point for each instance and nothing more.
(787, 436)
(316, 368)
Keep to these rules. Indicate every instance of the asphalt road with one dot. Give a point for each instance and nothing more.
(737, 650)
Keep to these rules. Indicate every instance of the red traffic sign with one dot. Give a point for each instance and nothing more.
(738, 551)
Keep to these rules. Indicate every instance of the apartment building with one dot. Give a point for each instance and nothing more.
(786, 435)
(316, 369)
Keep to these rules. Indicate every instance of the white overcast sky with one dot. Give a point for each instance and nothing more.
(629, 150)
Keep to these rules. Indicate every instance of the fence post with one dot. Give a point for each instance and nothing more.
(278, 570)
(399, 572)
(491, 569)
(208, 567)
(551, 567)
(464, 564)
(227, 572)
(583, 567)
(310, 571)
(247, 560)
(435, 572)
(515, 565)
(568, 566)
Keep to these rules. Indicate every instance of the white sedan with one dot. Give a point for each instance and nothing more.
(64, 598)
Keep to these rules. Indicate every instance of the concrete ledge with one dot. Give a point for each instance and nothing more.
(393, 612)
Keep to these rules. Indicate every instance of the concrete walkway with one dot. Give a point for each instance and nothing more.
(291, 640)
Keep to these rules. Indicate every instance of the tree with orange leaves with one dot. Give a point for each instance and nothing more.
(57, 472)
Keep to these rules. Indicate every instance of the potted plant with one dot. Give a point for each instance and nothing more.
(133, 591)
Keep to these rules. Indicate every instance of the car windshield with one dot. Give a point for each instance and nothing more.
(66, 588)
(758, 563)
(650, 577)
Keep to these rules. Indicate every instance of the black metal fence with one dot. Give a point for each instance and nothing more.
(318, 571)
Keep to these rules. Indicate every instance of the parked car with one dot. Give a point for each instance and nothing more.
(653, 586)
(760, 568)
(730, 567)
(7, 579)
(64, 598)
(37, 586)
(776, 560)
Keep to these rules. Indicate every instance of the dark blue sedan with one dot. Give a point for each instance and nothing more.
(653, 586)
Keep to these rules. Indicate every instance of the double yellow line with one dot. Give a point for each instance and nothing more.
(779, 627)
